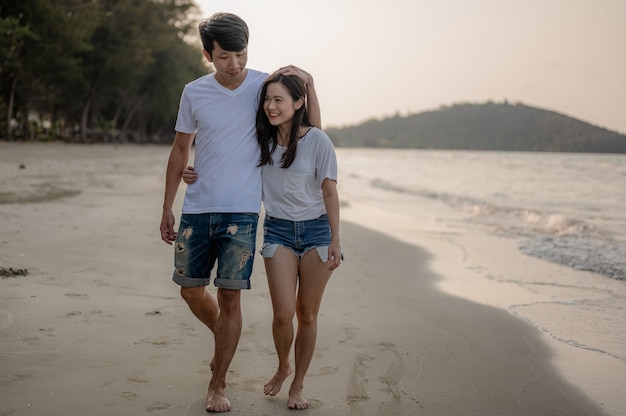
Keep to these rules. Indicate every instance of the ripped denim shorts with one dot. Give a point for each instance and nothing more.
(203, 239)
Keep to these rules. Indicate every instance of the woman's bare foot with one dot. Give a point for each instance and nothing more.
(296, 399)
(272, 387)
(216, 402)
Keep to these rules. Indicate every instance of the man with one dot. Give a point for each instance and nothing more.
(220, 211)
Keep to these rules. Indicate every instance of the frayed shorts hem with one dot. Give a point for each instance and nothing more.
(269, 249)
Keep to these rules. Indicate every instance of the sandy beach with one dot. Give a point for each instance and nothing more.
(96, 326)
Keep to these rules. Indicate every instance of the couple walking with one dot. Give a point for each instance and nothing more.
(257, 137)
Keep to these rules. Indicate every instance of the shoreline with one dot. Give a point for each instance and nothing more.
(598, 375)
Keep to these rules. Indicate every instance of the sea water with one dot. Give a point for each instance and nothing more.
(566, 209)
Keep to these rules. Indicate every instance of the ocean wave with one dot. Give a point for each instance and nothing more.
(515, 219)
(554, 237)
(583, 253)
(557, 238)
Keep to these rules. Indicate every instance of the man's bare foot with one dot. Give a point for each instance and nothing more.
(216, 402)
(296, 399)
(272, 387)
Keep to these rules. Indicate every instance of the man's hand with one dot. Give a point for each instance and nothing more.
(167, 227)
(300, 73)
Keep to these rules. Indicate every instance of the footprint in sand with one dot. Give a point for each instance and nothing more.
(46, 331)
(129, 395)
(349, 333)
(156, 406)
(394, 372)
(186, 329)
(325, 371)
(357, 383)
(137, 378)
(22, 376)
(158, 342)
(126, 396)
(77, 295)
(31, 340)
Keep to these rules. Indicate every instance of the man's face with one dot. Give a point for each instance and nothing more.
(229, 65)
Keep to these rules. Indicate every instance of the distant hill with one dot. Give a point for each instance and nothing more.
(488, 126)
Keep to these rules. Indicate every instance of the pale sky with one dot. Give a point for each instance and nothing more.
(377, 58)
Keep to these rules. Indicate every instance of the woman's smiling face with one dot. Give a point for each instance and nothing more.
(279, 106)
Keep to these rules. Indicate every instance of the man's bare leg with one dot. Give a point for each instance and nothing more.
(204, 306)
(227, 333)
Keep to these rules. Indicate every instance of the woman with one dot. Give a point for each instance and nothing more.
(301, 229)
(301, 245)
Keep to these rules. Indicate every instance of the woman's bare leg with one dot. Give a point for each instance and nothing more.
(313, 277)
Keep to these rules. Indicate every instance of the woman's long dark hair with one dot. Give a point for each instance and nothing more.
(267, 134)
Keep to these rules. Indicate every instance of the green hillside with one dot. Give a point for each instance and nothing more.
(488, 126)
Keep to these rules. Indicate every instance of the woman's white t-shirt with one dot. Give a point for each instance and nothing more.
(295, 193)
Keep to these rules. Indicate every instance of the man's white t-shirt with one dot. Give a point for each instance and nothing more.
(295, 193)
(226, 148)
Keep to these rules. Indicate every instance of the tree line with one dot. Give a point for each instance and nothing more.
(95, 70)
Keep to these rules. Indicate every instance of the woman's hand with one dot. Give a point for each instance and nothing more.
(334, 256)
(189, 175)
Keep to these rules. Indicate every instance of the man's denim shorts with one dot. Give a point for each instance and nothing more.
(297, 236)
(229, 238)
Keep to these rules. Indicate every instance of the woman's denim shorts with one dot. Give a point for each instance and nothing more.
(203, 239)
(297, 236)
